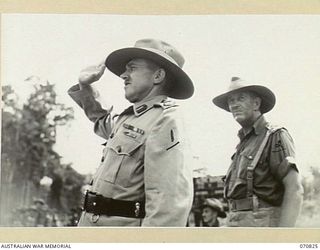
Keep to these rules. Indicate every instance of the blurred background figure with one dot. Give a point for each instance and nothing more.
(74, 216)
(41, 211)
(212, 209)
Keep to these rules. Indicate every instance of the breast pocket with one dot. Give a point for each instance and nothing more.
(238, 177)
(120, 160)
(245, 161)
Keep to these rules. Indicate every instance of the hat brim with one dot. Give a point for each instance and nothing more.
(268, 98)
(221, 214)
(183, 87)
(39, 201)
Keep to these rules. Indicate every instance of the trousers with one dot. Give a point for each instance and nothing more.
(261, 217)
(92, 220)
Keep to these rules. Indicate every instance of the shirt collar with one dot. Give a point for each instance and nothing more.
(142, 107)
(258, 127)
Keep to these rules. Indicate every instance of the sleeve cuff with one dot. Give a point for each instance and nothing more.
(288, 163)
(78, 94)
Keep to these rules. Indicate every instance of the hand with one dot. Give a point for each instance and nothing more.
(91, 74)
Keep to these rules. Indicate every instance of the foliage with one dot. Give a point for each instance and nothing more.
(310, 216)
(30, 132)
(27, 154)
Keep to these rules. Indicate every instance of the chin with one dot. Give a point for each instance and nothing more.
(130, 98)
(239, 119)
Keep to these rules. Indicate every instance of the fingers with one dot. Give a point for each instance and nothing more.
(101, 67)
(92, 73)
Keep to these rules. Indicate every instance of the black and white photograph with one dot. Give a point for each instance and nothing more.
(177, 121)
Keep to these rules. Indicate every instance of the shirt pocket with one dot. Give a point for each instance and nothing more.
(238, 178)
(244, 161)
(120, 160)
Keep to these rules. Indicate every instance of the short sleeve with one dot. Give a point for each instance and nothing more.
(282, 154)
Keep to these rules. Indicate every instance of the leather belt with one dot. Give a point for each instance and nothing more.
(246, 204)
(100, 205)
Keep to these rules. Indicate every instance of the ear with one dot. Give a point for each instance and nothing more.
(159, 76)
(257, 103)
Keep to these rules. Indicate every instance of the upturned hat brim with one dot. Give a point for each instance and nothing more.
(221, 214)
(268, 99)
(183, 86)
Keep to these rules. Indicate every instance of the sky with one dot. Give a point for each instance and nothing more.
(281, 52)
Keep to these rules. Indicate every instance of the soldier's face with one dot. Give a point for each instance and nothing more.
(209, 215)
(243, 106)
(138, 79)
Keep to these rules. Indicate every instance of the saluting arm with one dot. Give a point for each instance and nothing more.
(84, 95)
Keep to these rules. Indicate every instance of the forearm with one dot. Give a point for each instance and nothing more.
(291, 207)
(85, 97)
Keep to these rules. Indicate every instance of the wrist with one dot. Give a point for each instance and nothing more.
(84, 85)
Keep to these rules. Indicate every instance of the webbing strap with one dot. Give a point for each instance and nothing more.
(254, 162)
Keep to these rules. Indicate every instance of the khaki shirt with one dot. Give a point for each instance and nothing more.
(143, 159)
(277, 159)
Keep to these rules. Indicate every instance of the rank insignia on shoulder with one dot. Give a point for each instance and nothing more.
(134, 129)
(166, 104)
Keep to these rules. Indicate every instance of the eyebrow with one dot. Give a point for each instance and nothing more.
(130, 64)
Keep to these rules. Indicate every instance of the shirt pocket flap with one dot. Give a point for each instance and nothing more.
(244, 161)
(119, 160)
(124, 146)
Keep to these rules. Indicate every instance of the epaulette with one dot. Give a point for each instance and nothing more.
(165, 104)
(273, 128)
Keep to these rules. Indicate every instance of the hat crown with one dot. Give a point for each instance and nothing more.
(214, 203)
(237, 83)
(161, 47)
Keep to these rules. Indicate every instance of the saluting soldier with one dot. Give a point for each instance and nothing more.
(143, 179)
(262, 185)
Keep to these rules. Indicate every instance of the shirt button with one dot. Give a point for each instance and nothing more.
(250, 157)
(118, 148)
(112, 135)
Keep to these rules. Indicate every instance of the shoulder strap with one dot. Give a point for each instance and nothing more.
(270, 130)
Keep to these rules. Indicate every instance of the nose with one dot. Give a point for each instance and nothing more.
(124, 75)
(233, 105)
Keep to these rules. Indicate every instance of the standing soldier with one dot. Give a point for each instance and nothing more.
(143, 178)
(41, 213)
(262, 185)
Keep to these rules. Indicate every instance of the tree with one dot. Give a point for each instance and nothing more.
(28, 137)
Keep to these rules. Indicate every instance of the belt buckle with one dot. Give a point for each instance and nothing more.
(137, 210)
